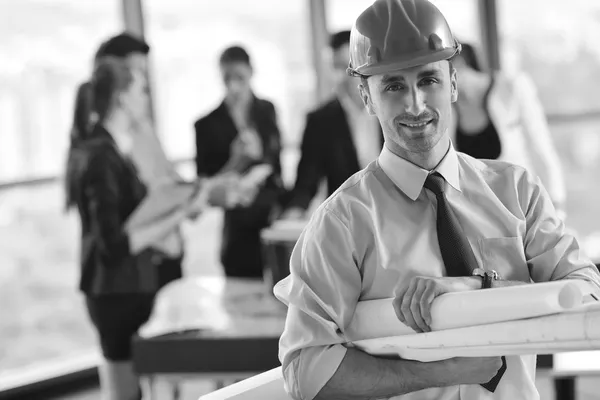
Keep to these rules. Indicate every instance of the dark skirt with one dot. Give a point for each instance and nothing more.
(119, 312)
(117, 318)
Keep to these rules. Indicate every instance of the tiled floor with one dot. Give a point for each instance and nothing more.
(587, 389)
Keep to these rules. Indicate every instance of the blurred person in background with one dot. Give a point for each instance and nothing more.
(148, 155)
(105, 186)
(340, 137)
(241, 133)
(501, 117)
(134, 52)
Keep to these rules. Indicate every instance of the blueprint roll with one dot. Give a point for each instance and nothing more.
(573, 330)
(377, 319)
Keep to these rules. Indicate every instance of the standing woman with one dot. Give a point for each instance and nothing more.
(104, 185)
(240, 133)
(500, 116)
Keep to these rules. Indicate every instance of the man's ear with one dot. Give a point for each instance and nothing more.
(366, 98)
(453, 86)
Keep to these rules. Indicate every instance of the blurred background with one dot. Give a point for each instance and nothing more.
(47, 46)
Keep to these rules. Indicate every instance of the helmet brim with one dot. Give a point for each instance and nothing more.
(410, 61)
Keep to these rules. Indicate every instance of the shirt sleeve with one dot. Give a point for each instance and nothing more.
(322, 292)
(552, 252)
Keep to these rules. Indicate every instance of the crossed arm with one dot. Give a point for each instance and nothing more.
(326, 285)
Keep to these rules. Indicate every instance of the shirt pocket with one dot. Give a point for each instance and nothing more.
(505, 255)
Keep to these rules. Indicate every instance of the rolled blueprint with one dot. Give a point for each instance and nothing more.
(567, 331)
(376, 318)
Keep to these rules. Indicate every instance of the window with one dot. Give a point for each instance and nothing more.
(555, 43)
(187, 38)
(47, 49)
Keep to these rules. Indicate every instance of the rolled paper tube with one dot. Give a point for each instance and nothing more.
(572, 330)
(377, 318)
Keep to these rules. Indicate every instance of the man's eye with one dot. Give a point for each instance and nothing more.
(393, 88)
(429, 81)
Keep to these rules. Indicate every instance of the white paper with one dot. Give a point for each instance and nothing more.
(376, 318)
(150, 159)
(257, 175)
(155, 222)
(578, 329)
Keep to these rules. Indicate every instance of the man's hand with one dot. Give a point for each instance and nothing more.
(244, 195)
(412, 302)
(471, 370)
(218, 190)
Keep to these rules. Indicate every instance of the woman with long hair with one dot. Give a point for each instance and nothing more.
(104, 185)
(500, 116)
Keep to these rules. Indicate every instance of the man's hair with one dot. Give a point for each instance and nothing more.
(339, 39)
(111, 77)
(121, 46)
(235, 54)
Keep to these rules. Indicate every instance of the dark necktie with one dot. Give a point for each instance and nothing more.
(457, 253)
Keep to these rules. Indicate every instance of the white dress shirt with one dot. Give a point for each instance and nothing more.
(378, 230)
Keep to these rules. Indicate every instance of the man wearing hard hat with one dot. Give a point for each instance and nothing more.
(420, 221)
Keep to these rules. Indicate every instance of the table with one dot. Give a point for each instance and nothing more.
(212, 328)
(217, 328)
(565, 368)
(278, 241)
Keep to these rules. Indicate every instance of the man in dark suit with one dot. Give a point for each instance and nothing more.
(239, 134)
(340, 138)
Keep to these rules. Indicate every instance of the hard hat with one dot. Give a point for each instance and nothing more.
(396, 34)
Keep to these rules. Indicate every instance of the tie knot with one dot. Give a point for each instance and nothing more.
(436, 183)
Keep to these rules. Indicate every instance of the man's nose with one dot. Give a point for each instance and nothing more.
(415, 102)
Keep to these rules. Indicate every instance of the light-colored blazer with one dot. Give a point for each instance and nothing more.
(517, 114)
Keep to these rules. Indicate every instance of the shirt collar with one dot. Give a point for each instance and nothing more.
(410, 178)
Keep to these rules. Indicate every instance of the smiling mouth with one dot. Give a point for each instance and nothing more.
(416, 124)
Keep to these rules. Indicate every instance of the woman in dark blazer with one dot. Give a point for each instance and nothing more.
(104, 185)
(242, 132)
